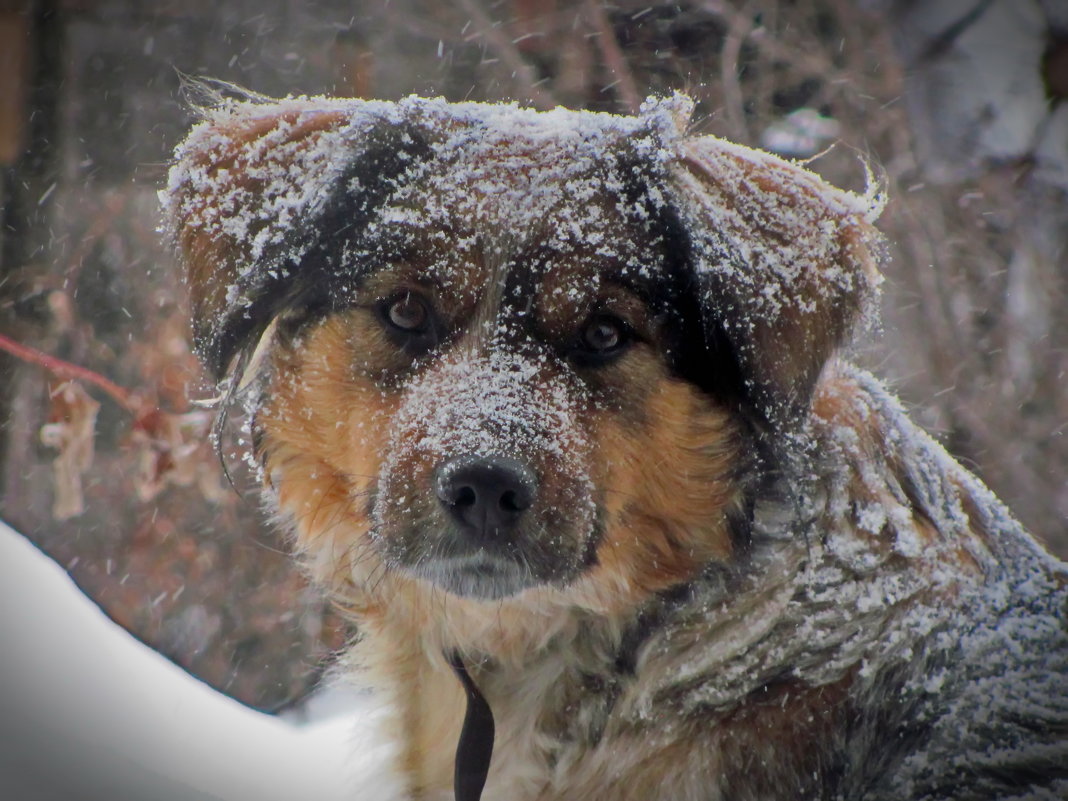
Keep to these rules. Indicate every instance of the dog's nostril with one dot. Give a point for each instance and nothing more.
(465, 497)
(511, 502)
(486, 495)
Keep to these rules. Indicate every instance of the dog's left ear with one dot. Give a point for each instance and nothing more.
(783, 262)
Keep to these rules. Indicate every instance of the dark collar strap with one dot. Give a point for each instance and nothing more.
(476, 739)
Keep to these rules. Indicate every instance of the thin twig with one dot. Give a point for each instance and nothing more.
(67, 371)
(625, 85)
(739, 27)
(803, 62)
(509, 54)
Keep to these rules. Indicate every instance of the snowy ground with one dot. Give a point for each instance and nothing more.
(87, 712)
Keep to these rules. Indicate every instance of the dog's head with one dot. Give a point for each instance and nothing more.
(501, 349)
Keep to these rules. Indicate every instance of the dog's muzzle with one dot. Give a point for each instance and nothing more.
(484, 489)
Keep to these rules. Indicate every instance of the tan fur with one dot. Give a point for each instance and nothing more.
(665, 481)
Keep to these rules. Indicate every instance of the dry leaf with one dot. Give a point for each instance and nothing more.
(174, 450)
(71, 421)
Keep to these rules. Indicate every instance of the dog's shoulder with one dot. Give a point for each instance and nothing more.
(970, 685)
(893, 481)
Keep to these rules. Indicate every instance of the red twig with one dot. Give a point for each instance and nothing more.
(66, 370)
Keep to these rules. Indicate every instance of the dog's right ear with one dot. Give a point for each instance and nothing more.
(242, 178)
(783, 263)
(263, 202)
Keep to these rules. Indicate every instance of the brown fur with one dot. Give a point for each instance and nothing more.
(248, 146)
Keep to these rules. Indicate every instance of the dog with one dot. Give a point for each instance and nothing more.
(554, 407)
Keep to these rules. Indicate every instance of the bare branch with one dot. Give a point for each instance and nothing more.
(626, 87)
(66, 370)
(507, 51)
(739, 27)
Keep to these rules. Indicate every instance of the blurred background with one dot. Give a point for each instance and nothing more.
(961, 106)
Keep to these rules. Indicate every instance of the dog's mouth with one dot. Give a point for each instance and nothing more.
(479, 575)
(480, 565)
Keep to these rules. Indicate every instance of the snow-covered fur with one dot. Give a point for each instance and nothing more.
(717, 562)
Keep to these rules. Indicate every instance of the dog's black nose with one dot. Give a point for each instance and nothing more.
(485, 494)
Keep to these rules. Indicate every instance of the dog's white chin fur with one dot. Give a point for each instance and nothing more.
(479, 576)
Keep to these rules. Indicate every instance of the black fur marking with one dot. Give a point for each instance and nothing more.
(700, 350)
(651, 619)
(319, 281)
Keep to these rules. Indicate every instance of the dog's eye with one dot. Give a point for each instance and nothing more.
(602, 334)
(408, 313)
(410, 322)
(603, 337)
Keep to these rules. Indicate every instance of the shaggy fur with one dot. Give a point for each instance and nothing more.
(741, 573)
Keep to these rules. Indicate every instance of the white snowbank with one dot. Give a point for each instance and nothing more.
(88, 712)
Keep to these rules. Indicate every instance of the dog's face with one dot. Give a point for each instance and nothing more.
(499, 395)
(501, 358)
